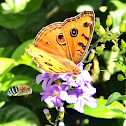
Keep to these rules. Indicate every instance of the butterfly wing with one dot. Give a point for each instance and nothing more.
(78, 32)
(50, 62)
(47, 40)
(57, 49)
(50, 51)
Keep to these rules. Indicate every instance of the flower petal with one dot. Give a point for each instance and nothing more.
(72, 97)
(79, 105)
(91, 102)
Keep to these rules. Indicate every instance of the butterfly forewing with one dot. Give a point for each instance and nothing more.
(78, 33)
(46, 40)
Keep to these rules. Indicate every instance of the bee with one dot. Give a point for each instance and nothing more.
(20, 90)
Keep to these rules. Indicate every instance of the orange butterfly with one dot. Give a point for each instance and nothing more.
(60, 46)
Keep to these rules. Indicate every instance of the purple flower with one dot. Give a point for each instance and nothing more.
(77, 80)
(48, 79)
(80, 95)
(85, 100)
(55, 94)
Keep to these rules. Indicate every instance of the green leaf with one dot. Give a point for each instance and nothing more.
(18, 53)
(118, 9)
(6, 64)
(29, 29)
(3, 97)
(123, 97)
(121, 66)
(5, 80)
(21, 79)
(2, 103)
(11, 21)
(113, 97)
(115, 110)
(123, 43)
(119, 4)
(17, 115)
(22, 57)
(8, 39)
(32, 6)
(6, 51)
(72, 5)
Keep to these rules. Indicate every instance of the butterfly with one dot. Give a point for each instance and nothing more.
(60, 46)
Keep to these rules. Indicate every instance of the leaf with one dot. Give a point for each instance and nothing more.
(17, 115)
(5, 81)
(32, 6)
(21, 79)
(8, 39)
(123, 97)
(72, 5)
(6, 64)
(115, 110)
(113, 97)
(22, 57)
(11, 21)
(3, 97)
(123, 43)
(117, 11)
(121, 66)
(18, 53)
(6, 51)
(119, 4)
(2, 103)
(34, 22)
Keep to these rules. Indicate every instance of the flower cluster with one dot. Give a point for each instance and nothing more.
(74, 89)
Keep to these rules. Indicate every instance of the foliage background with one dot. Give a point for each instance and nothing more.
(20, 21)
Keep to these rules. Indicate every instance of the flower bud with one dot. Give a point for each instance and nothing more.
(100, 49)
(47, 114)
(57, 81)
(108, 21)
(105, 37)
(114, 48)
(91, 56)
(96, 29)
(120, 77)
(88, 66)
(101, 30)
(61, 112)
(122, 27)
(103, 8)
(97, 23)
(61, 124)
(123, 43)
(114, 36)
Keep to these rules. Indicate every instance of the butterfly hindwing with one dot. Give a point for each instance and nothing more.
(48, 62)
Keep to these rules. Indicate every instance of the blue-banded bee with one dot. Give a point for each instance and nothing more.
(20, 90)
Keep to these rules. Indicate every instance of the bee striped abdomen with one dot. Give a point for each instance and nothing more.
(20, 90)
(12, 91)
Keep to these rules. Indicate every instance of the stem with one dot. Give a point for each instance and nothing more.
(56, 121)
